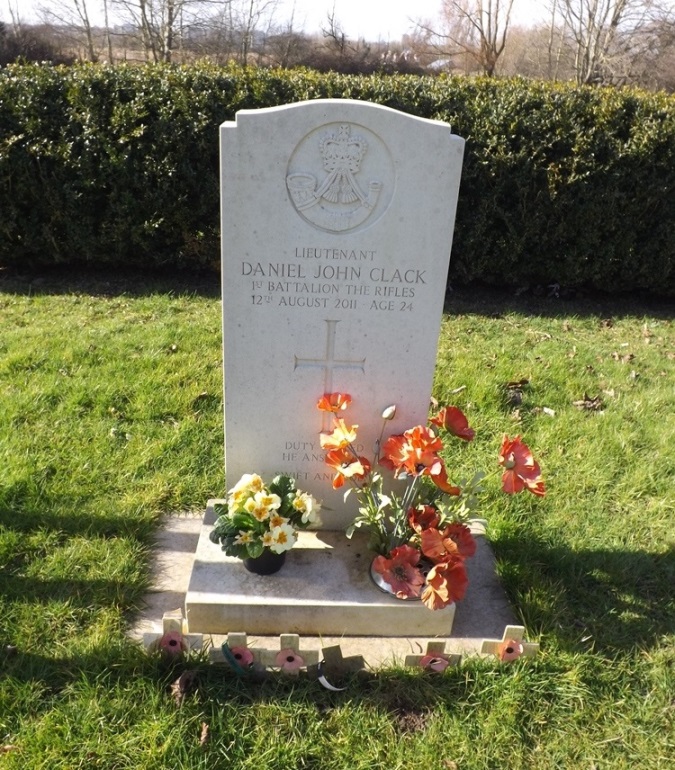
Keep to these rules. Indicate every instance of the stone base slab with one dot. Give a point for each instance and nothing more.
(323, 588)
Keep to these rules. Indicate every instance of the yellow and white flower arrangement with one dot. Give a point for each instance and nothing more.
(258, 516)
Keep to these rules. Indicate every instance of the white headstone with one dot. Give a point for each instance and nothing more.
(337, 222)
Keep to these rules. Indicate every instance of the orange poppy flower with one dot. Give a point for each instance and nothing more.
(446, 583)
(414, 452)
(334, 402)
(400, 571)
(440, 479)
(521, 469)
(341, 436)
(453, 420)
(394, 453)
(346, 466)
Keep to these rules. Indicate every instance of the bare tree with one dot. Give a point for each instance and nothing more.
(286, 45)
(71, 19)
(161, 24)
(477, 28)
(334, 33)
(253, 14)
(608, 37)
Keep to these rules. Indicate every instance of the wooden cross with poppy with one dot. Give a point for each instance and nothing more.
(435, 658)
(329, 363)
(511, 646)
(289, 659)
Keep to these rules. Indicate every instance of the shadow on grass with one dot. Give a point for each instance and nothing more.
(83, 594)
(495, 302)
(410, 697)
(602, 600)
(477, 299)
(109, 283)
(23, 508)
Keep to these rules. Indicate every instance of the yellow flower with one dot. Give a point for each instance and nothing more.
(243, 538)
(268, 539)
(258, 511)
(276, 520)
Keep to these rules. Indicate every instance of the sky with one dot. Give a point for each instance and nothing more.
(371, 19)
(384, 19)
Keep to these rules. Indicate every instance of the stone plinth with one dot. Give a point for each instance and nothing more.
(323, 588)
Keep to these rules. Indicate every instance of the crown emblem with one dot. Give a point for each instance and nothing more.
(327, 203)
(342, 155)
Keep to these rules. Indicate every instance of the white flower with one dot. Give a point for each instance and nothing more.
(267, 500)
(268, 540)
(308, 506)
(248, 484)
(283, 537)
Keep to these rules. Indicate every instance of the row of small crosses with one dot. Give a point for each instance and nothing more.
(290, 658)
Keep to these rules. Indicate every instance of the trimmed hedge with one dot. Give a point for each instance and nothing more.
(566, 185)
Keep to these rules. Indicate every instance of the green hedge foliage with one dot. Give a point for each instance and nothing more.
(119, 166)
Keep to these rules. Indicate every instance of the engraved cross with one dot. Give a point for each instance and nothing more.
(329, 362)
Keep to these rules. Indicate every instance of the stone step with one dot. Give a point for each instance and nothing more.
(324, 588)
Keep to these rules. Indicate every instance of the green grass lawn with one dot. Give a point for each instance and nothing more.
(110, 416)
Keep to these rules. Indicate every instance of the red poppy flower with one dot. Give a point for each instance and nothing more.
(289, 661)
(453, 420)
(462, 537)
(423, 517)
(341, 436)
(510, 649)
(437, 662)
(172, 644)
(400, 571)
(347, 466)
(334, 402)
(415, 452)
(446, 583)
(521, 469)
(437, 547)
(242, 655)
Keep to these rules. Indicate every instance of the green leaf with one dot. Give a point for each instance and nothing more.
(282, 485)
(255, 549)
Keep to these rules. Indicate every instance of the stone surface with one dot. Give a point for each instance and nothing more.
(482, 614)
(337, 221)
(323, 588)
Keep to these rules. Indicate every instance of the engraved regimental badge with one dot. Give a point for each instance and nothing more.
(338, 201)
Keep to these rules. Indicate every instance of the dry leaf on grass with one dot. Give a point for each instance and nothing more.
(625, 359)
(514, 391)
(593, 403)
(183, 686)
(204, 736)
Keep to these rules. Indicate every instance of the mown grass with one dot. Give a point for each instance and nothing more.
(111, 416)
